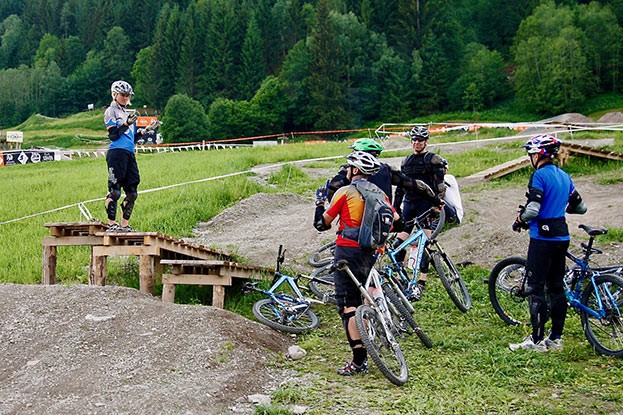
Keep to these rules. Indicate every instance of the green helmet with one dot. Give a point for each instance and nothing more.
(368, 145)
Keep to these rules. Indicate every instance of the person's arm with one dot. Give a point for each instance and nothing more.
(336, 182)
(576, 204)
(438, 175)
(404, 182)
(115, 132)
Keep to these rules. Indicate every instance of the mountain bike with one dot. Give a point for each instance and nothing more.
(596, 293)
(424, 245)
(377, 327)
(290, 312)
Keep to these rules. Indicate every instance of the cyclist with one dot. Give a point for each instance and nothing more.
(348, 204)
(550, 194)
(384, 179)
(428, 167)
(122, 167)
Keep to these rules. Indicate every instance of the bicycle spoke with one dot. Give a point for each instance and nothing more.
(605, 333)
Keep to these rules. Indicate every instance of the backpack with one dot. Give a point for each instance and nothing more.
(377, 220)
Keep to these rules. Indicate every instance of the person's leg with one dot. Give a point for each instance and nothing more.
(555, 288)
(132, 180)
(116, 175)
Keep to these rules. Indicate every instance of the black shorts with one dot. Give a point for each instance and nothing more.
(122, 170)
(360, 262)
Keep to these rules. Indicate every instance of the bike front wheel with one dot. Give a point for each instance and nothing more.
(452, 281)
(507, 283)
(281, 318)
(323, 255)
(381, 345)
(605, 334)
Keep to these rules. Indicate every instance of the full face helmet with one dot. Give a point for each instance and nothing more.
(121, 87)
(365, 162)
(419, 133)
(544, 145)
(368, 145)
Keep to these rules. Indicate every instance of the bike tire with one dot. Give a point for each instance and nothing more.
(381, 345)
(506, 291)
(604, 334)
(323, 255)
(440, 223)
(406, 320)
(452, 281)
(275, 316)
(325, 292)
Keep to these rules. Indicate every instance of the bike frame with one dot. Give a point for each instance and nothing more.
(418, 238)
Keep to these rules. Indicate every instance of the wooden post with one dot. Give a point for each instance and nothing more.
(168, 293)
(97, 271)
(147, 265)
(218, 296)
(48, 275)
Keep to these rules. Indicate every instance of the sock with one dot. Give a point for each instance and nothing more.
(359, 355)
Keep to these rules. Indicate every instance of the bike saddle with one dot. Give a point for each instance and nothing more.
(593, 231)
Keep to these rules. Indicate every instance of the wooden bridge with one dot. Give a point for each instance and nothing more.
(189, 263)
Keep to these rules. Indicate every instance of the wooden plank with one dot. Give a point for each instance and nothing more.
(125, 250)
(196, 279)
(193, 262)
(97, 273)
(72, 240)
(48, 274)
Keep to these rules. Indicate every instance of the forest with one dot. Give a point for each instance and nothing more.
(230, 68)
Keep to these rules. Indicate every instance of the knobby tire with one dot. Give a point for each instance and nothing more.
(406, 320)
(452, 281)
(323, 255)
(506, 288)
(381, 346)
(324, 292)
(276, 316)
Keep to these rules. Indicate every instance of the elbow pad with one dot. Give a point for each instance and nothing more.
(576, 205)
(530, 212)
(115, 132)
(319, 223)
(535, 195)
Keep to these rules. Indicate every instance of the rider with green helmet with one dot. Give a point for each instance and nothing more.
(384, 179)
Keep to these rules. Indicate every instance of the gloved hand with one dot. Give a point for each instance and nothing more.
(321, 195)
(518, 225)
(131, 119)
(438, 201)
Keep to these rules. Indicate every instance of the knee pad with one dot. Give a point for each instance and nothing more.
(345, 318)
(111, 206)
(128, 204)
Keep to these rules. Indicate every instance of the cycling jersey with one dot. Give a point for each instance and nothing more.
(348, 203)
(115, 116)
(556, 186)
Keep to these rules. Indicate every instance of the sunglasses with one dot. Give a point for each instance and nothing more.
(420, 139)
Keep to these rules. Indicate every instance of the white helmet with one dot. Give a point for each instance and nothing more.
(121, 87)
(365, 162)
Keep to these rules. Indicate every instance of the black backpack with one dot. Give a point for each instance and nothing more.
(378, 217)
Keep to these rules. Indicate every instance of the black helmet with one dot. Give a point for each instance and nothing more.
(365, 162)
(419, 133)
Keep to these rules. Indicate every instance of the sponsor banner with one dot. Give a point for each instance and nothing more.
(10, 158)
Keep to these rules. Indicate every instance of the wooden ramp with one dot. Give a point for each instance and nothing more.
(190, 263)
(566, 150)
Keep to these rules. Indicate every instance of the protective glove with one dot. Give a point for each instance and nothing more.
(321, 195)
(131, 119)
(518, 225)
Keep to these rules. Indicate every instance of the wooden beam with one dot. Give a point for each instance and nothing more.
(168, 293)
(218, 296)
(48, 274)
(72, 240)
(126, 250)
(196, 279)
(146, 274)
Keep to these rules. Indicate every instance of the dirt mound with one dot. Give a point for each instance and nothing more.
(103, 350)
(612, 118)
(569, 118)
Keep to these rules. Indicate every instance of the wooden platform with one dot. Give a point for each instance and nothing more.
(190, 263)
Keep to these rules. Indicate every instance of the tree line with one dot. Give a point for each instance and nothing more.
(230, 68)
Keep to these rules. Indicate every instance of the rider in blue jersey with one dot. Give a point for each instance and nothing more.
(551, 194)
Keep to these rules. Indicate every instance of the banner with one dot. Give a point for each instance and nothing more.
(10, 158)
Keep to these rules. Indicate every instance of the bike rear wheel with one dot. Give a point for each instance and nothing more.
(323, 255)
(405, 322)
(452, 281)
(278, 317)
(325, 292)
(506, 291)
(381, 345)
(604, 334)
